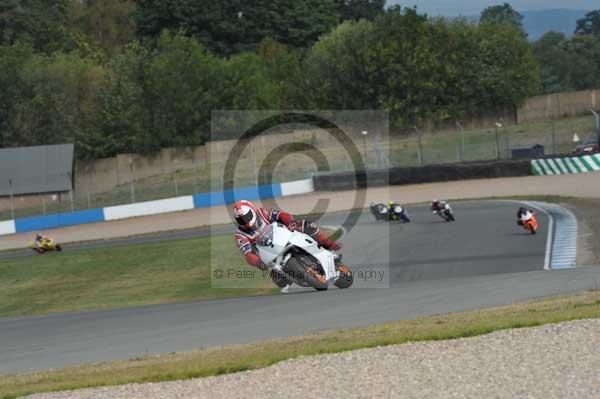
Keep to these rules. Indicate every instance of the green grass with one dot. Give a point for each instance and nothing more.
(120, 276)
(234, 358)
(129, 275)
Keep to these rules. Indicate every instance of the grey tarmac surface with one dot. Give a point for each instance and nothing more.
(481, 260)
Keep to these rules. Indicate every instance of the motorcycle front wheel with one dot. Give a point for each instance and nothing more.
(299, 271)
(345, 279)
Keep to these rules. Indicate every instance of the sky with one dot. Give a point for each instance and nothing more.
(474, 7)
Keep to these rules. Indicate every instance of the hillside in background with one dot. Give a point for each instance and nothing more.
(538, 22)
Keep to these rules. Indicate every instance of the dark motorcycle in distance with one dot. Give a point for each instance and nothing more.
(385, 213)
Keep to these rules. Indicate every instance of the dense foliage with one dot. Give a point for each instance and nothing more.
(124, 75)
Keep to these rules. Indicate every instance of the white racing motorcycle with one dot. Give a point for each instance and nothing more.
(301, 259)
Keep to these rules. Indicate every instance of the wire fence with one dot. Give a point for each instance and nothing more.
(416, 148)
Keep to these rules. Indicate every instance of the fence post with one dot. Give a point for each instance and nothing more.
(420, 146)
(44, 205)
(176, 187)
(89, 201)
(554, 146)
(195, 182)
(254, 166)
(12, 204)
(71, 197)
(462, 140)
(364, 134)
(497, 141)
(131, 185)
(506, 138)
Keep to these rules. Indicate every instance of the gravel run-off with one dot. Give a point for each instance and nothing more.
(551, 361)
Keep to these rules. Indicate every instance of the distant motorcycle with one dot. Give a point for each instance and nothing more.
(530, 225)
(46, 245)
(387, 213)
(446, 213)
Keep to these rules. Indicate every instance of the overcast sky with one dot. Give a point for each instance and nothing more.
(474, 7)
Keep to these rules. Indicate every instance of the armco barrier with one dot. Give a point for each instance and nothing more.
(423, 174)
(566, 165)
(39, 223)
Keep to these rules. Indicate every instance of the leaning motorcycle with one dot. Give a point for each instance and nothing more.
(446, 213)
(531, 225)
(46, 246)
(301, 259)
(383, 213)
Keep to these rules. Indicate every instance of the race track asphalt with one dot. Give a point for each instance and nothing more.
(430, 266)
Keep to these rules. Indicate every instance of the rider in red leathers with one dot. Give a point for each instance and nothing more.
(252, 222)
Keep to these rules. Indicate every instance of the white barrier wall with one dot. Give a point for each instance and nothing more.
(149, 208)
(7, 227)
(297, 187)
(146, 208)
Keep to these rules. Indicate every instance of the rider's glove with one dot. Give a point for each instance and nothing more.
(293, 226)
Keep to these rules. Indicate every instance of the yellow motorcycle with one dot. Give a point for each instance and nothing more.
(45, 245)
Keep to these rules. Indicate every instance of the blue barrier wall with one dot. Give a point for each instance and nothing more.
(59, 220)
(38, 223)
(248, 193)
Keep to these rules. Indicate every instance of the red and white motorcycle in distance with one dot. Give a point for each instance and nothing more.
(301, 259)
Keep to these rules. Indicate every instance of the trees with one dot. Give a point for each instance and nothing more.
(37, 22)
(583, 52)
(337, 67)
(568, 64)
(507, 69)
(553, 61)
(12, 89)
(234, 26)
(59, 104)
(108, 93)
(421, 69)
(589, 25)
(355, 10)
(502, 14)
(107, 23)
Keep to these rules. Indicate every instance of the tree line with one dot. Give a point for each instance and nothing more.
(115, 76)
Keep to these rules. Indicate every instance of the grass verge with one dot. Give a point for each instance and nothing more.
(229, 359)
(129, 275)
(120, 276)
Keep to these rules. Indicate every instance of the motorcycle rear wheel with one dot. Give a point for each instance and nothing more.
(307, 274)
